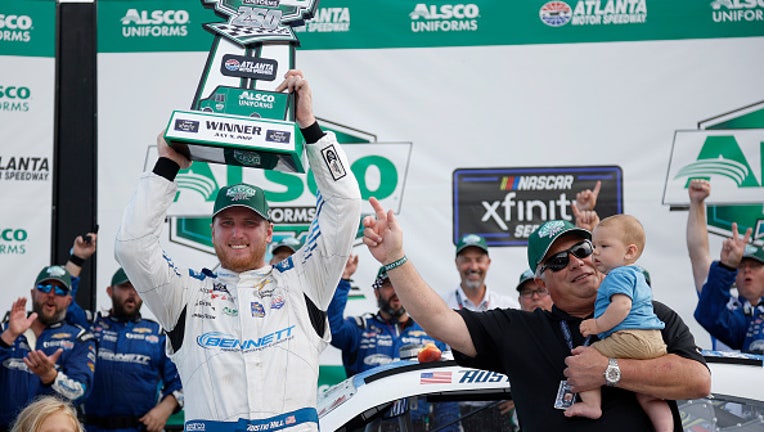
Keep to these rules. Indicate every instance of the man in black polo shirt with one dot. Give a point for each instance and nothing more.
(543, 352)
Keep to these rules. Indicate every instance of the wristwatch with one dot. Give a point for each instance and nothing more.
(612, 373)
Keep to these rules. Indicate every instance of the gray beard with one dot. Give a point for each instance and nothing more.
(473, 284)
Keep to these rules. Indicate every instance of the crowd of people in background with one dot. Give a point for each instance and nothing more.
(584, 322)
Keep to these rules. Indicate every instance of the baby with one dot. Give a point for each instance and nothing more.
(624, 319)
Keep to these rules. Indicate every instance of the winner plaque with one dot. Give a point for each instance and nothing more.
(236, 118)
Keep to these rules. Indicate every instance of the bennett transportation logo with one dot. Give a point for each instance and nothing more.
(15, 28)
(457, 17)
(253, 21)
(14, 98)
(594, 12)
(156, 23)
(328, 20)
(737, 10)
(505, 205)
(227, 342)
(726, 150)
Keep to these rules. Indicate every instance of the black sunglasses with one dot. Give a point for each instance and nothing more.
(560, 260)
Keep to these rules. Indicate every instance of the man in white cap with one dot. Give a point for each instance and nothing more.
(246, 338)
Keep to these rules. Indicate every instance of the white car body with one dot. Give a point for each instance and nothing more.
(736, 401)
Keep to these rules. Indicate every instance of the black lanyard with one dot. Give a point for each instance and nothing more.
(461, 305)
(569, 337)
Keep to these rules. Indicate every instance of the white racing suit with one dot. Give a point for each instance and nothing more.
(246, 345)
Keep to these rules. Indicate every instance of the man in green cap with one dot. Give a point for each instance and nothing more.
(284, 248)
(542, 352)
(247, 337)
(40, 353)
(472, 262)
(726, 317)
(737, 322)
(530, 294)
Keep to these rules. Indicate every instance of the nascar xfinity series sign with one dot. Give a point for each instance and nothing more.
(505, 205)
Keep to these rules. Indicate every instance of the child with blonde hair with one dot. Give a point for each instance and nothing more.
(48, 414)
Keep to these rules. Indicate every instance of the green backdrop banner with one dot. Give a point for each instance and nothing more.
(176, 25)
(28, 28)
(27, 101)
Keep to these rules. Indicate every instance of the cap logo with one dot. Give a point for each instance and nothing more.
(240, 193)
(291, 241)
(749, 250)
(551, 229)
(56, 271)
(471, 239)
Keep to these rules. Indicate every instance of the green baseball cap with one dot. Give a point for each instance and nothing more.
(527, 275)
(754, 253)
(119, 277)
(545, 235)
(56, 273)
(380, 279)
(290, 243)
(242, 195)
(471, 240)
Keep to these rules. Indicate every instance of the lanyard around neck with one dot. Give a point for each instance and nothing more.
(461, 304)
(569, 337)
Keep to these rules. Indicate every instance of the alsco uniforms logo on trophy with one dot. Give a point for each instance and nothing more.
(252, 21)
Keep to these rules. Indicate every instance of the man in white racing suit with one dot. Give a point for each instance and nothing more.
(246, 338)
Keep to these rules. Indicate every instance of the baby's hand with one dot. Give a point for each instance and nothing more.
(588, 327)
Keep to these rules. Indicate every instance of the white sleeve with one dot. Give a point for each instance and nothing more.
(137, 249)
(334, 227)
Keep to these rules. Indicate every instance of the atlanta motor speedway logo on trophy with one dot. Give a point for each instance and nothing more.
(235, 92)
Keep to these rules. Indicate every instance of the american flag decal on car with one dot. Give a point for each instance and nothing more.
(435, 378)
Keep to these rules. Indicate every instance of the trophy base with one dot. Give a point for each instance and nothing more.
(237, 140)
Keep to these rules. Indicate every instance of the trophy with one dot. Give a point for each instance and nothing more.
(236, 118)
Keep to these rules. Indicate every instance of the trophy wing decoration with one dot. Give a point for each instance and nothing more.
(236, 118)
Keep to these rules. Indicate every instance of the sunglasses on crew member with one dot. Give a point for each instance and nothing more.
(48, 287)
(560, 260)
